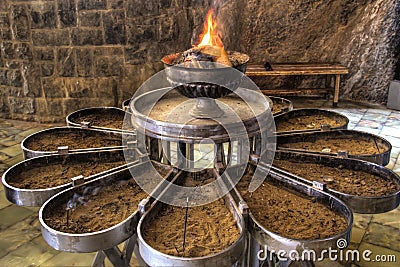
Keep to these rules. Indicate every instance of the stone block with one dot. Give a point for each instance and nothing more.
(47, 69)
(67, 12)
(65, 62)
(4, 19)
(50, 37)
(84, 64)
(141, 33)
(92, 4)
(101, 67)
(7, 50)
(21, 105)
(23, 51)
(54, 87)
(43, 15)
(32, 83)
(14, 78)
(82, 88)
(89, 18)
(42, 53)
(135, 56)
(20, 26)
(114, 27)
(6, 34)
(116, 66)
(87, 37)
(115, 4)
(137, 8)
(49, 107)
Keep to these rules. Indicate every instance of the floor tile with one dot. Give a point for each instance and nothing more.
(14, 160)
(12, 151)
(13, 214)
(379, 111)
(376, 250)
(383, 235)
(19, 234)
(394, 141)
(394, 132)
(370, 124)
(9, 141)
(70, 259)
(391, 218)
(3, 201)
(375, 117)
(362, 220)
(30, 254)
(357, 235)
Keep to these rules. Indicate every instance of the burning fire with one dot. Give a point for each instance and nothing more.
(210, 35)
(210, 42)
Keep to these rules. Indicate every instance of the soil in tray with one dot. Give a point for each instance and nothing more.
(50, 141)
(332, 145)
(41, 177)
(210, 228)
(353, 182)
(97, 208)
(279, 106)
(308, 122)
(103, 118)
(286, 213)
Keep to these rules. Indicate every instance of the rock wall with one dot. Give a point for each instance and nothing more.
(61, 55)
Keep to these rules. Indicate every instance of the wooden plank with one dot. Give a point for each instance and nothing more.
(299, 69)
(301, 91)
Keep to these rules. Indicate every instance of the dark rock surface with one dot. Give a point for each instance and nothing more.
(61, 55)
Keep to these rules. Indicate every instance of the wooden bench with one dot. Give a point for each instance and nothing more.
(327, 69)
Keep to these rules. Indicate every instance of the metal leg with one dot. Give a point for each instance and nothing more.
(229, 155)
(182, 161)
(257, 145)
(191, 155)
(166, 152)
(153, 149)
(99, 259)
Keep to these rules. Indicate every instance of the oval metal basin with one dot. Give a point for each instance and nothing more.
(36, 197)
(359, 204)
(293, 142)
(92, 241)
(108, 140)
(103, 118)
(338, 120)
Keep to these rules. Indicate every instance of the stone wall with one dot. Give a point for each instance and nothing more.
(61, 55)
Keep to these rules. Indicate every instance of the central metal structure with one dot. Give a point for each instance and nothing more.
(179, 125)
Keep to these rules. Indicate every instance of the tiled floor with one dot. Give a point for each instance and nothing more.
(21, 243)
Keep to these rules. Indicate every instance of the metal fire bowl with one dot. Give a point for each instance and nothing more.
(75, 118)
(215, 81)
(94, 241)
(36, 197)
(53, 133)
(359, 204)
(277, 242)
(226, 257)
(288, 105)
(310, 112)
(380, 158)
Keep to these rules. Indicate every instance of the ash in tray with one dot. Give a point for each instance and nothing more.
(209, 53)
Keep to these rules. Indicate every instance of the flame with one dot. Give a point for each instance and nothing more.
(211, 43)
(210, 36)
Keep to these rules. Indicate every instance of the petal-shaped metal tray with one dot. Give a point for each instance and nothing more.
(290, 142)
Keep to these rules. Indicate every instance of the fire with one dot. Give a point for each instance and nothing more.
(210, 42)
(210, 35)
